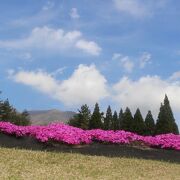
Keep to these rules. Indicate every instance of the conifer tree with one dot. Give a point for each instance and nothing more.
(149, 124)
(81, 119)
(138, 123)
(95, 121)
(6, 111)
(120, 118)
(127, 122)
(115, 121)
(108, 119)
(166, 122)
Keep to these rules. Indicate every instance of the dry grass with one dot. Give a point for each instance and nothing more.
(26, 164)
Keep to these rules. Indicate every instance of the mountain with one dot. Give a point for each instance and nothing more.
(43, 117)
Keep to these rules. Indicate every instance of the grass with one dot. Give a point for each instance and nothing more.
(25, 164)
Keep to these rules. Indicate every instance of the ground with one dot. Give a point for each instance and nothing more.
(27, 164)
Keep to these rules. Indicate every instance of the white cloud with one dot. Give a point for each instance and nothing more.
(88, 85)
(139, 8)
(89, 46)
(74, 13)
(53, 40)
(124, 61)
(175, 76)
(135, 8)
(145, 59)
(85, 85)
(116, 56)
(127, 64)
(59, 71)
(146, 93)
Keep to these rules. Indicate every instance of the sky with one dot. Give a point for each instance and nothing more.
(58, 54)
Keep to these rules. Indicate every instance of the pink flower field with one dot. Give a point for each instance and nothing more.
(62, 133)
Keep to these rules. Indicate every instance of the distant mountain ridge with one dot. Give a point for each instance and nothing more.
(44, 117)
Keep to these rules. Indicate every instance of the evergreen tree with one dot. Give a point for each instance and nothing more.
(108, 119)
(86, 115)
(9, 114)
(138, 123)
(149, 124)
(120, 118)
(166, 122)
(95, 121)
(115, 121)
(75, 120)
(6, 111)
(81, 119)
(25, 118)
(127, 122)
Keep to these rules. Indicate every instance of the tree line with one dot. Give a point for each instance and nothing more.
(124, 120)
(9, 114)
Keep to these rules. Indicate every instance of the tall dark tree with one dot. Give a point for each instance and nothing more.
(138, 123)
(166, 122)
(115, 121)
(9, 113)
(127, 122)
(95, 121)
(120, 118)
(149, 124)
(6, 111)
(82, 118)
(108, 119)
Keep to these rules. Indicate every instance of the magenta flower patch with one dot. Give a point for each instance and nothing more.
(74, 136)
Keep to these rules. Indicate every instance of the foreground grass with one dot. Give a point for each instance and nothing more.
(26, 164)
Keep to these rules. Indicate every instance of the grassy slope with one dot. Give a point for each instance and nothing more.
(26, 164)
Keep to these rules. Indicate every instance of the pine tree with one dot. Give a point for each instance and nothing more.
(149, 124)
(120, 118)
(86, 115)
(127, 122)
(25, 119)
(108, 119)
(95, 121)
(115, 121)
(138, 123)
(75, 120)
(10, 114)
(81, 119)
(6, 111)
(166, 122)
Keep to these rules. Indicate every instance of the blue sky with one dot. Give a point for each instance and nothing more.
(61, 54)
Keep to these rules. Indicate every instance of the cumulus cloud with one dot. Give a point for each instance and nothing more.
(138, 8)
(53, 40)
(74, 13)
(85, 85)
(88, 85)
(88, 46)
(145, 59)
(146, 93)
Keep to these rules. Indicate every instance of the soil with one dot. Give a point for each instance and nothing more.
(98, 149)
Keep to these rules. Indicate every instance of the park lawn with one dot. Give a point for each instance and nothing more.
(26, 164)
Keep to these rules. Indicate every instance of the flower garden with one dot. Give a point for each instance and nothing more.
(69, 135)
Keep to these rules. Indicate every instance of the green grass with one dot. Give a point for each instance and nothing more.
(26, 164)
